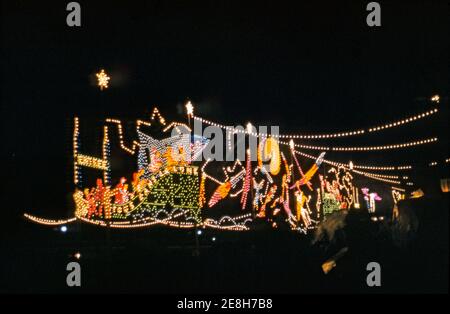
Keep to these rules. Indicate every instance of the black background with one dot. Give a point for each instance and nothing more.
(308, 67)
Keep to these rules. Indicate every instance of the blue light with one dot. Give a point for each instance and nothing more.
(63, 229)
(199, 232)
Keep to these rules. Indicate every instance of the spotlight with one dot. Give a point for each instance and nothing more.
(63, 229)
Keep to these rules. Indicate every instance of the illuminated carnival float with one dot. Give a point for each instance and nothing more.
(173, 185)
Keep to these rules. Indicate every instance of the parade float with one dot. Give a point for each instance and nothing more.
(175, 186)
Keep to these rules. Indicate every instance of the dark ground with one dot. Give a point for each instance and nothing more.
(160, 260)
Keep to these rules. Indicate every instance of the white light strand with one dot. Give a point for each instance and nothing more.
(323, 148)
(131, 150)
(337, 134)
(49, 222)
(386, 147)
(337, 164)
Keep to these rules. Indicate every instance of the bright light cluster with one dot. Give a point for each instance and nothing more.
(102, 79)
(157, 154)
(189, 109)
(433, 163)
(92, 162)
(337, 192)
(179, 190)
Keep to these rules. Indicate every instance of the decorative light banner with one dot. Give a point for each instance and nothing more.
(171, 186)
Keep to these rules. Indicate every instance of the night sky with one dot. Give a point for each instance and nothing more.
(308, 68)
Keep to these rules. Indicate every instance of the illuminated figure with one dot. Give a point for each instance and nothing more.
(370, 199)
(98, 196)
(91, 202)
(121, 195)
(302, 212)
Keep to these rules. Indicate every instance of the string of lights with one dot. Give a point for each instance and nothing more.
(338, 164)
(155, 115)
(82, 160)
(381, 127)
(49, 222)
(135, 144)
(386, 147)
(321, 148)
(225, 223)
(364, 148)
(335, 163)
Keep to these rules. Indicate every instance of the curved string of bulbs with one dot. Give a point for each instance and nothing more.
(373, 176)
(365, 148)
(378, 128)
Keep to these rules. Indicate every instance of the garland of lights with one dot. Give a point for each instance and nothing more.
(381, 127)
(386, 147)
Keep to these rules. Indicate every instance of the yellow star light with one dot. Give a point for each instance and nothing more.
(102, 79)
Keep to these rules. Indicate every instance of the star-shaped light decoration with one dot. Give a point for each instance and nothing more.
(102, 79)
